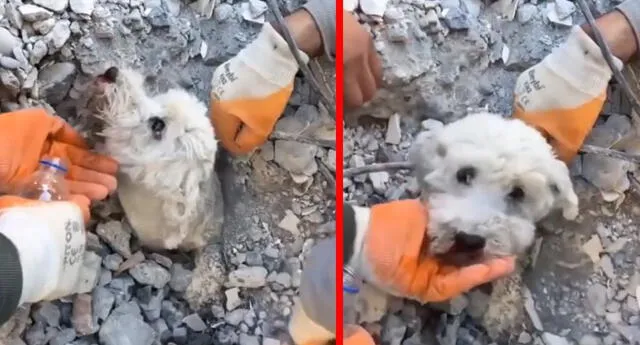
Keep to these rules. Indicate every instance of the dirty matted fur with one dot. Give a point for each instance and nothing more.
(167, 185)
(487, 181)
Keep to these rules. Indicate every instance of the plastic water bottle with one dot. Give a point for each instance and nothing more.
(47, 184)
(351, 285)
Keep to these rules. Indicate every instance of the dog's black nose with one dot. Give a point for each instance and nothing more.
(111, 74)
(467, 242)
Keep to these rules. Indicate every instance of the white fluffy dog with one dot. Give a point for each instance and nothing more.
(166, 147)
(488, 180)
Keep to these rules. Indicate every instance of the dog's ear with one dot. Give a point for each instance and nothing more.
(562, 189)
(425, 152)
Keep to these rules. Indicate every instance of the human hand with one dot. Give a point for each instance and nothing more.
(49, 238)
(362, 66)
(395, 259)
(28, 135)
(562, 95)
(250, 91)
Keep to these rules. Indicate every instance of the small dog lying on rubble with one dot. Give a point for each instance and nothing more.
(485, 181)
(166, 147)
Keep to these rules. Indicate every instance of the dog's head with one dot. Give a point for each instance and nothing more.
(163, 142)
(143, 129)
(488, 180)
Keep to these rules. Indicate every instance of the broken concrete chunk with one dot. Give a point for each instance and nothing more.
(248, 277)
(373, 7)
(394, 133)
(593, 248)
(290, 223)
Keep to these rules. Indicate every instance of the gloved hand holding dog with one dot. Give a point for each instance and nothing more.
(389, 249)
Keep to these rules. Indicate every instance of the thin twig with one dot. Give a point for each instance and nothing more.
(295, 51)
(324, 170)
(377, 167)
(608, 56)
(303, 139)
(610, 153)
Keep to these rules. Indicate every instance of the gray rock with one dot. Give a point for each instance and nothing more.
(105, 277)
(162, 260)
(38, 52)
(180, 335)
(112, 261)
(116, 237)
(162, 330)
(59, 35)
(120, 329)
(14, 16)
(236, 316)
(102, 302)
(246, 339)
(283, 279)
(150, 273)
(394, 330)
(48, 313)
(297, 158)
(33, 13)
(8, 42)
(552, 339)
(394, 133)
(597, 298)
(54, 5)
(195, 323)
(248, 277)
(456, 19)
(524, 338)
(180, 278)
(44, 27)
(9, 82)
(590, 339)
(63, 337)
(121, 288)
(172, 315)
(128, 308)
(526, 12)
(233, 299)
(82, 6)
(150, 302)
(89, 272)
(55, 81)
(35, 335)
(223, 12)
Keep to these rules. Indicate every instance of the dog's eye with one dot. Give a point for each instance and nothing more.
(466, 175)
(157, 126)
(516, 194)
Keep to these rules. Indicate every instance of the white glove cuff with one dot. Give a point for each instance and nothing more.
(580, 63)
(270, 56)
(40, 254)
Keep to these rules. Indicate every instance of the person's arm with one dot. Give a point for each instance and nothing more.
(562, 96)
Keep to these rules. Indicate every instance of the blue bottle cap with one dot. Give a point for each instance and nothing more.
(55, 165)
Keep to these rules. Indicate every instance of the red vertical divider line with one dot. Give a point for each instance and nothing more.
(339, 168)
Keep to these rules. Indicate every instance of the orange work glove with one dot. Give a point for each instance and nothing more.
(250, 91)
(30, 134)
(392, 255)
(563, 95)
